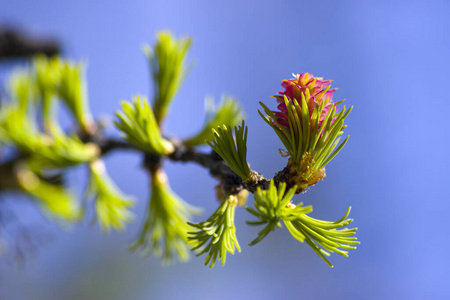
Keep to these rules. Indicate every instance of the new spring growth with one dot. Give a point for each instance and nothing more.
(139, 126)
(168, 69)
(307, 121)
(309, 125)
(45, 153)
(165, 228)
(111, 205)
(217, 235)
(275, 205)
(232, 150)
(55, 201)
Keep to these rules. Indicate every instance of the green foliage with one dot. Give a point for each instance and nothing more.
(166, 223)
(22, 89)
(304, 134)
(217, 235)
(48, 81)
(54, 200)
(329, 235)
(17, 130)
(57, 79)
(167, 65)
(138, 125)
(29, 125)
(48, 74)
(73, 91)
(61, 151)
(19, 126)
(273, 206)
(111, 205)
(229, 113)
(234, 153)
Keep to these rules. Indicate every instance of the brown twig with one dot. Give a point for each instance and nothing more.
(231, 182)
(14, 43)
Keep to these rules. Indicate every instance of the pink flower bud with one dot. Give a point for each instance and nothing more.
(315, 90)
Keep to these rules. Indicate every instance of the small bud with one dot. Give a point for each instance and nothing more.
(309, 126)
(303, 174)
(315, 89)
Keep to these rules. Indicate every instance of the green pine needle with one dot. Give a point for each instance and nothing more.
(138, 125)
(167, 65)
(217, 235)
(233, 152)
(274, 205)
(323, 236)
(269, 208)
(54, 200)
(19, 128)
(229, 112)
(73, 91)
(304, 135)
(60, 151)
(48, 76)
(166, 223)
(111, 205)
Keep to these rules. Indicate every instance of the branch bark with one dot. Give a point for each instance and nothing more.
(14, 43)
(230, 181)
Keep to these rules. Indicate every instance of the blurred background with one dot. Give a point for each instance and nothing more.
(389, 59)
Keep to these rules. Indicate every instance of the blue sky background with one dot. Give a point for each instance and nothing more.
(389, 59)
